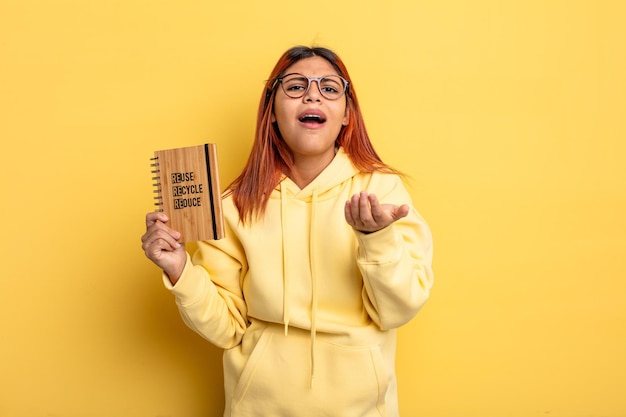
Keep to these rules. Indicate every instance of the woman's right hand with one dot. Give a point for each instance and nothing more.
(161, 246)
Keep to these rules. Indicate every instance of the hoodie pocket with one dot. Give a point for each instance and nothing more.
(282, 378)
(353, 378)
(247, 375)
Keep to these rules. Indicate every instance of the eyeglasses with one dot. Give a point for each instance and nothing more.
(297, 85)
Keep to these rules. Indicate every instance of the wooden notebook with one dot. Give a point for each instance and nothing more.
(187, 188)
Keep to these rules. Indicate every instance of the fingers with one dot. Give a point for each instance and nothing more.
(158, 240)
(159, 236)
(353, 211)
(359, 213)
(155, 216)
(160, 245)
(365, 213)
(377, 211)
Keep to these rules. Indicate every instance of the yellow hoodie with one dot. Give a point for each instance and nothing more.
(304, 306)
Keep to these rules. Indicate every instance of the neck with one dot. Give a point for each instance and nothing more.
(305, 170)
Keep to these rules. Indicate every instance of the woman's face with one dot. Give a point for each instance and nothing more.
(309, 125)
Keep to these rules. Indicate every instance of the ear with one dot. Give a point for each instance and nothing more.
(346, 116)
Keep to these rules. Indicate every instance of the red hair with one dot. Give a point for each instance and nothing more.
(271, 158)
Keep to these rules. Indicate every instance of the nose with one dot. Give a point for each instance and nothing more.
(313, 93)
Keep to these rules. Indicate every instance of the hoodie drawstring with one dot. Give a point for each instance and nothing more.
(283, 199)
(313, 283)
(312, 263)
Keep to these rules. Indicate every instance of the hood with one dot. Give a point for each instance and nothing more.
(339, 170)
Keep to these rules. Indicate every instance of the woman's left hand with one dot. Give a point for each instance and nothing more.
(364, 213)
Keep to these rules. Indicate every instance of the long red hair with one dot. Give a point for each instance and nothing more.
(271, 158)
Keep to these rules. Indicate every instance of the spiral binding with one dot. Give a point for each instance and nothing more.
(157, 184)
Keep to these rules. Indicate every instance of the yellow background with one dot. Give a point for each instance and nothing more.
(508, 115)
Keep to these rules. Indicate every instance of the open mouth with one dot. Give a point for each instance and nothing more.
(312, 118)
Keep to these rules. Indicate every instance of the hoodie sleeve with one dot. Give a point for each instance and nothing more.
(395, 262)
(208, 293)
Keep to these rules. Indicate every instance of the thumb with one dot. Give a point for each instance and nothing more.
(400, 211)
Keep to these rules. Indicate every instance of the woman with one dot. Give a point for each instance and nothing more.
(323, 259)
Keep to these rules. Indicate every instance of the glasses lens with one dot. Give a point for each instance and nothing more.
(331, 86)
(295, 85)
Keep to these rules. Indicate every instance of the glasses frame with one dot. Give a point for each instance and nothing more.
(345, 82)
